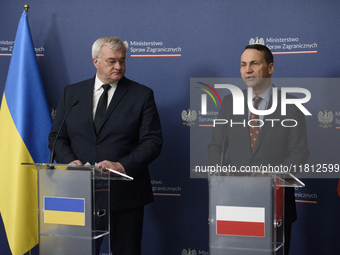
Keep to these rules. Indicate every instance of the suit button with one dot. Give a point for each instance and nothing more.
(97, 146)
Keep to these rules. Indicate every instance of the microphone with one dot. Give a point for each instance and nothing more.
(75, 102)
(223, 146)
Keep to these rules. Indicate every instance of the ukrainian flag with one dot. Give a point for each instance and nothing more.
(66, 211)
(25, 123)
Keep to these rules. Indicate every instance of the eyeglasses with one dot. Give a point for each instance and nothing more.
(112, 62)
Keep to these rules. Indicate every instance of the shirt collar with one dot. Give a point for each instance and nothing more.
(98, 84)
(266, 95)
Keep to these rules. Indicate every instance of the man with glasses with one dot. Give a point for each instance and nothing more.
(114, 125)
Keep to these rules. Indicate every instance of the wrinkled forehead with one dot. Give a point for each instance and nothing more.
(250, 55)
(113, 53)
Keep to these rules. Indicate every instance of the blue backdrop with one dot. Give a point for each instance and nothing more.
(171, 42)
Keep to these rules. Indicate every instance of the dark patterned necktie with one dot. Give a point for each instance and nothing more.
(101, 107)
(254, 131)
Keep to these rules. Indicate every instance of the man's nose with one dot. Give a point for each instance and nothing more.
(117, 65)
(249, 69)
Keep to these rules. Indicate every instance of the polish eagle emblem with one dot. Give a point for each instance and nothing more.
(53, 113)
(189, 252)
(257, 40)
(189, 117)
(325, 118)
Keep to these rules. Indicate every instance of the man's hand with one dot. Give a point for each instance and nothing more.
(76, 162)
(112, 165)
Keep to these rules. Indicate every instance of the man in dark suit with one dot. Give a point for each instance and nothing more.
(274, 144)
(126, 137)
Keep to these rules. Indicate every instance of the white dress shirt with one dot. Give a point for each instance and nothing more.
(97, 92)
(263, 104)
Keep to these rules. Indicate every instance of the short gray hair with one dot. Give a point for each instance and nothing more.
(114, 43)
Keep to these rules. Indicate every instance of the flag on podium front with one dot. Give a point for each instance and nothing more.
(25, 122)
(66, 211)
(240, 221)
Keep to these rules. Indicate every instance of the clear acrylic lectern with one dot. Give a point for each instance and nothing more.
(246, 214)
(74, 208)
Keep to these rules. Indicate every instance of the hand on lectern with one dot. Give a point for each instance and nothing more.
(112, 165)
(76, 162)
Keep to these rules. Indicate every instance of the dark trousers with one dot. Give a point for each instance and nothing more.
(288, 232)
(287, 235)
(126, 229)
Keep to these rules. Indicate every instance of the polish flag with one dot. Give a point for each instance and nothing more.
(240, 221)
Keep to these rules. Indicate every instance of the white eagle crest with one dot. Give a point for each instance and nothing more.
(53, 113)
(257, 40)
(325, 118)
(189, 252)
(189, 117)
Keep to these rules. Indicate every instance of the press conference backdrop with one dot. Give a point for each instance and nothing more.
(171, 42)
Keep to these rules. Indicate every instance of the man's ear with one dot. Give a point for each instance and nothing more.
(95, 61)
(271, 68)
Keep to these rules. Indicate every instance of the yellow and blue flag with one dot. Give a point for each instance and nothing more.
(25, 123)
(65, 211)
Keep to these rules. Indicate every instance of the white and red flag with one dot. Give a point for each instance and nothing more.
(240, 221)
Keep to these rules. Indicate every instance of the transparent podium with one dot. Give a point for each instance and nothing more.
(246, 214)
(74, 208)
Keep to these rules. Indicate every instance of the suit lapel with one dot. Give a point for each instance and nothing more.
(88, 97)
(245, 118)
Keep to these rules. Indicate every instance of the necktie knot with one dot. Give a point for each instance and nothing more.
(106, 87)
(256, 101)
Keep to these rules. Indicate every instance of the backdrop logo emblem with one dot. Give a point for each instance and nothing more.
(256, 41)
(189, 252)
(189, 117)
(325, 118)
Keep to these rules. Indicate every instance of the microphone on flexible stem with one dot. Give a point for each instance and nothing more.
(75, 102)
(223, 146)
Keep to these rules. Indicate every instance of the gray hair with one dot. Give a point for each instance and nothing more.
(114, 43)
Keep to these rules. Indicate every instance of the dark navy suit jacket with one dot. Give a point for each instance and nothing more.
(275, 146)
(130, 134)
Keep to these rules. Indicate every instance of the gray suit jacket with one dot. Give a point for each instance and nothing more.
(276, 145)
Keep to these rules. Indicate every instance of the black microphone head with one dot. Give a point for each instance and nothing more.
(75, 102)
